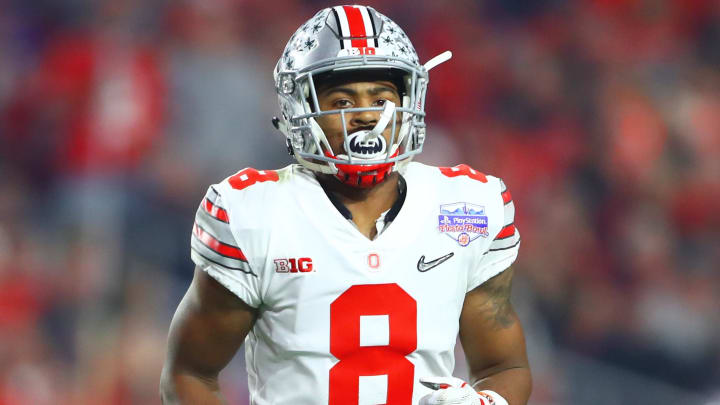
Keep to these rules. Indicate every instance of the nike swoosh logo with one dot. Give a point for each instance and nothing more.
(424, 266)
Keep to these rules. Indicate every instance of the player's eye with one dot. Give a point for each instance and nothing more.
(342, 103)
(381, 102)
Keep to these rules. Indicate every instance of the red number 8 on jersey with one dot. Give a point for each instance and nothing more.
(249, 176)
(356, 360)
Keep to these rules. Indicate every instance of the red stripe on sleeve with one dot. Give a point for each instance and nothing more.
(357, 27)
(219, 247)
(216, 212)
(506, 197)
(507, 231)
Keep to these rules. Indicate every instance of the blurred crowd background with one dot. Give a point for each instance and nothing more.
(602, 116)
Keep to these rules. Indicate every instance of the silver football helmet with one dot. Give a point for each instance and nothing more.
(345, 39)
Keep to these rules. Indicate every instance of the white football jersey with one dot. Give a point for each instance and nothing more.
(344, 319)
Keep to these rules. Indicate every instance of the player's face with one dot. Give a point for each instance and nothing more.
(356, 95)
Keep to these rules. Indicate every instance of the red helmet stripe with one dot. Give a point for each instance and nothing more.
(356, 24)
(369, 26)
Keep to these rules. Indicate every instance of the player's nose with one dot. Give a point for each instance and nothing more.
(364, 118)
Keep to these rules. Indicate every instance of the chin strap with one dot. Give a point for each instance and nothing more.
(362, 176)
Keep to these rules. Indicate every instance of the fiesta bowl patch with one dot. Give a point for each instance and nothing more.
(463, 222)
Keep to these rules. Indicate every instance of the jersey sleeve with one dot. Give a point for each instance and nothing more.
(503, 249)
(214, 248)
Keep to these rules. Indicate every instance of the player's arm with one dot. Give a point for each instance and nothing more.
(493, 340)
(207, 329)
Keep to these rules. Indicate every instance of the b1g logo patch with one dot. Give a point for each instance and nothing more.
(294, 265)
(463, 222)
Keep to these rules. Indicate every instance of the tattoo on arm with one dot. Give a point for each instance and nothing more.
(496, 307)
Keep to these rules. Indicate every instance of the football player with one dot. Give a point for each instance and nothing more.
(350, 274)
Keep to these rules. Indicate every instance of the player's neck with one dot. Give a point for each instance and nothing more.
(365, 204)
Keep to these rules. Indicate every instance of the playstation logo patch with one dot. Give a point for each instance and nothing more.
(463, 222)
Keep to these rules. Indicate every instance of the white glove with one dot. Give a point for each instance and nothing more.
(454, 391)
